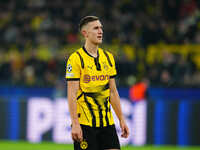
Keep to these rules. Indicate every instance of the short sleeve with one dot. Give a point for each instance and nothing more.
(113, 72)
(73, 68)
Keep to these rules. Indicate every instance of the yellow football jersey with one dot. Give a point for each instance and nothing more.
(93, 98)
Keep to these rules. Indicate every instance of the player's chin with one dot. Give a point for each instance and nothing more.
(99, 41)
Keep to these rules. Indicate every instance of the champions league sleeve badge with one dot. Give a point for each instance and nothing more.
(69, 67)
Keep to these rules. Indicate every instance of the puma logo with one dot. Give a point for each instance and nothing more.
(90, 67)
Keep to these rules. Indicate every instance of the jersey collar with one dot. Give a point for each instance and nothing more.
(89, 54)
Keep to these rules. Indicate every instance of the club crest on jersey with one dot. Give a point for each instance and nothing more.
(69, 67)
(105, 66)
(84, 144)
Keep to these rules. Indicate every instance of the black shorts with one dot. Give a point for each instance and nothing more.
(98, 138)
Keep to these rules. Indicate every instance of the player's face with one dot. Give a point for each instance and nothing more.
(94, 32)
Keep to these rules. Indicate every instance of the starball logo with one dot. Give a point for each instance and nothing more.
(87, 78)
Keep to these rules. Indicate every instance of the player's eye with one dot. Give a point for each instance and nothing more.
(98, 27)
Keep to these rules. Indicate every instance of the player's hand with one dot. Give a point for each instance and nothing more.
(124, 128)
(77, 134)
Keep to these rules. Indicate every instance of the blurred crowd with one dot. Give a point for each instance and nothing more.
(34, 32)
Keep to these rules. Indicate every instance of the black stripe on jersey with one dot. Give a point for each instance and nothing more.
(85, 113)
(96, 94)
(98, 66)
(93, 96)
(113, 76)
(82, 106)
(109, 108)
(81, 58)
(79, 96)
(100, 112)
(108, 58)
(91, 111)
(106, 106)
(105, 87)
(73, 79)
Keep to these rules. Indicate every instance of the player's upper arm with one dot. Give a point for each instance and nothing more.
(72, 88)
(112, 85)
(73, 69)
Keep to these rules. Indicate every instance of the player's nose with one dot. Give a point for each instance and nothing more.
(100, 31)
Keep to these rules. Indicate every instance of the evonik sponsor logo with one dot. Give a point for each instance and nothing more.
(87, 78)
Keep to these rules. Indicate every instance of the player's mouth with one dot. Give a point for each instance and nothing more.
(99, 37)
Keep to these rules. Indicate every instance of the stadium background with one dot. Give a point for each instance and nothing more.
(156, 47)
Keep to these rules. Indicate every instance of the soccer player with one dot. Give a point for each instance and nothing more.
(90, 74)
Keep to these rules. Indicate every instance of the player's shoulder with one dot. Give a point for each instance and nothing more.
(74, 55)
(106, 52)
(109, 56)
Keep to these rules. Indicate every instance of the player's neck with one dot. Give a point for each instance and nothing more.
(91, 49)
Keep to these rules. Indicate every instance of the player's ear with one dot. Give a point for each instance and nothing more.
(84, 33)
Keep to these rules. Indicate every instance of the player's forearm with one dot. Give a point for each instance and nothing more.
(115, 102)
(73, 110)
